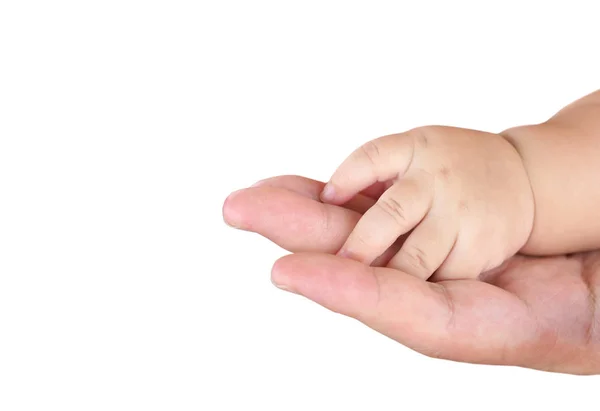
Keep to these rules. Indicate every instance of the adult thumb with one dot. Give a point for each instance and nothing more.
(412, 311)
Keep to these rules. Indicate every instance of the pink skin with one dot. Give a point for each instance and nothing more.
(532, 312)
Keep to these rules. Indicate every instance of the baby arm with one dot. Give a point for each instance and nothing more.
(461, 202)
(562, 159)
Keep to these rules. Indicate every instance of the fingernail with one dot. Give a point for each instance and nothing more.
(343, 253)
(328, 193)
(258, 183)
(283, 287)
(230, 217)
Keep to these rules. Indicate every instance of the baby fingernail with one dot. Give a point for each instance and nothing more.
(343, 253)
(328, 193)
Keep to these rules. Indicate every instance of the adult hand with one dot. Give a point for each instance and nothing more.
(538, 313)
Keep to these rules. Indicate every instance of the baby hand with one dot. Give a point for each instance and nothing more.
(465, 195)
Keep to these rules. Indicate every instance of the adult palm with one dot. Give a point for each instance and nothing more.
(533, 312)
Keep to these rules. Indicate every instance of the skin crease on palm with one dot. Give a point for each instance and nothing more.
(534, 312)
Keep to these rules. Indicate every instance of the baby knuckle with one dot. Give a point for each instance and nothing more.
(416, 257)
(360, 239)
(445, 174)
(394, 209)
(424, 136)
(420, 137)
(370, 151)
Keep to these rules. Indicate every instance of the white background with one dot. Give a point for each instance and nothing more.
(124, 125)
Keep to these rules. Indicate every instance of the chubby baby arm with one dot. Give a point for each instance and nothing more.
(562, 158)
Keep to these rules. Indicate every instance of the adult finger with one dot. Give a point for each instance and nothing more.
(304, 186)
(291, 220)
(312, 189)
(465, 320)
